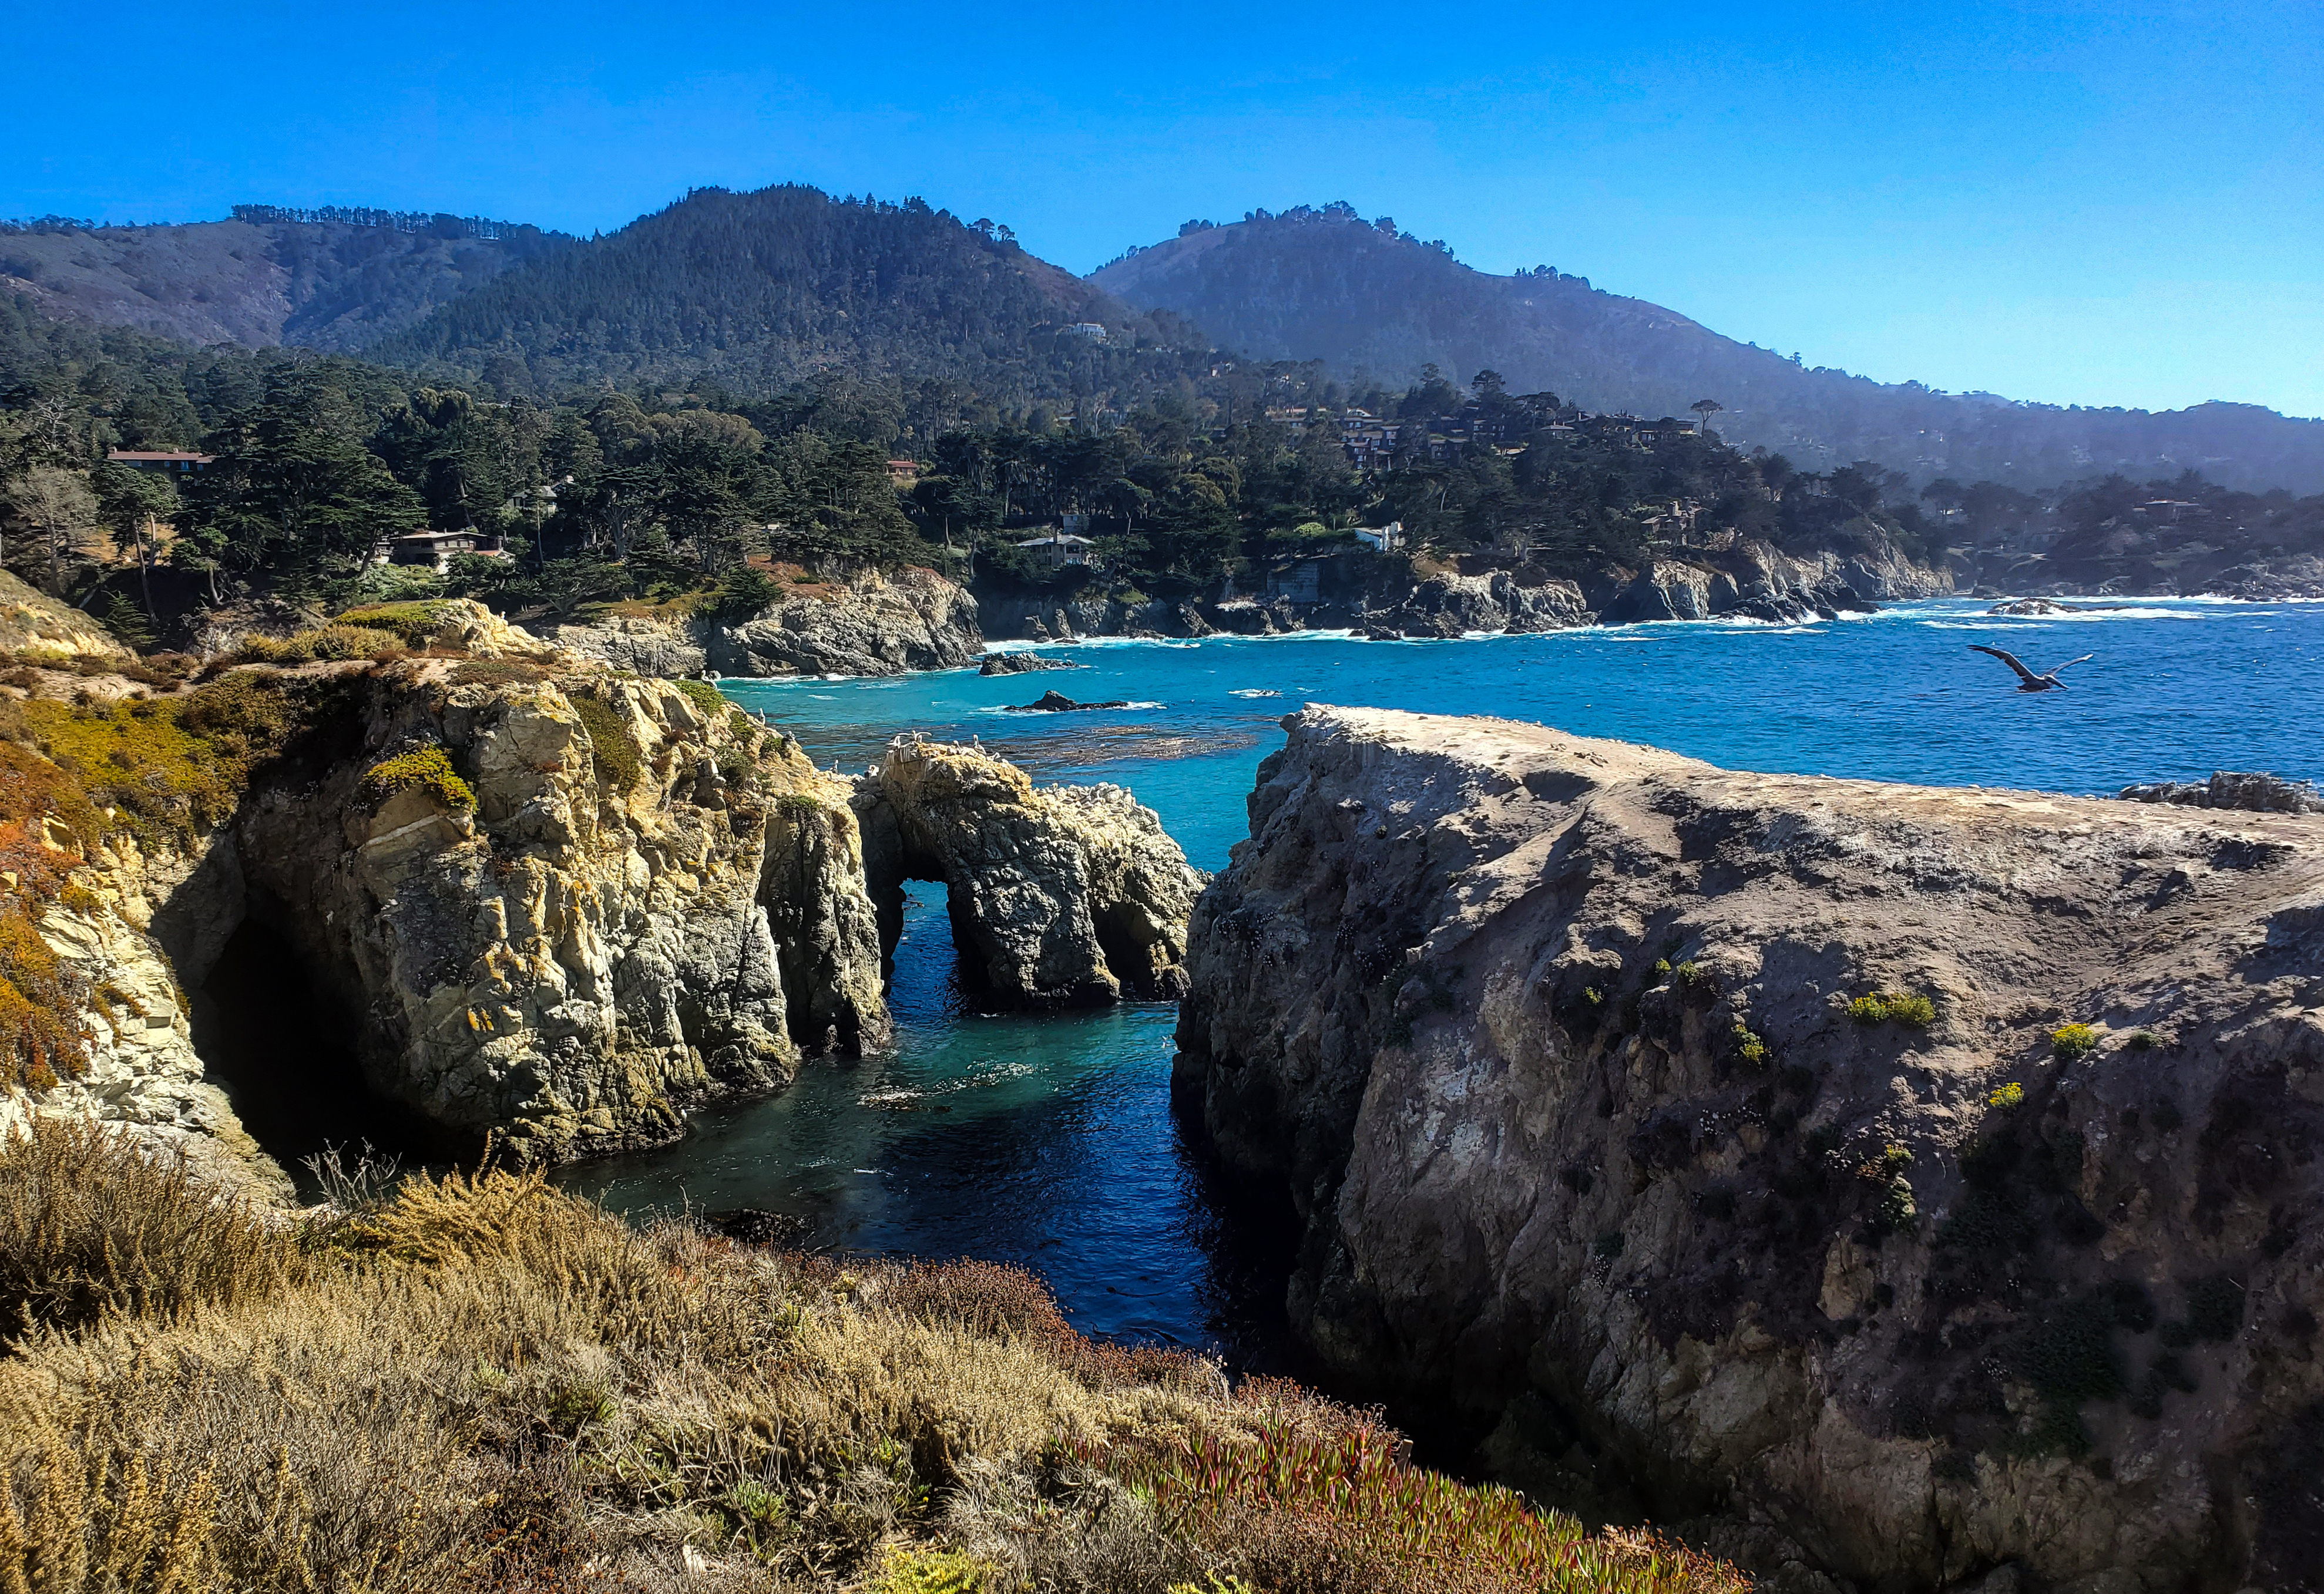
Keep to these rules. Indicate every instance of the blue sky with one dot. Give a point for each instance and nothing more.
(2117, 203)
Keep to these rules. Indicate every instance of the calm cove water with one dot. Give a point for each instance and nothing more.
(1048, 1141)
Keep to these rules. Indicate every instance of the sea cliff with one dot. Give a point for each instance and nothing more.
(513, 890)
(1928, 1174)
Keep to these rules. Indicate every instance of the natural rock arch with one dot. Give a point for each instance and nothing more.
(1069, 895)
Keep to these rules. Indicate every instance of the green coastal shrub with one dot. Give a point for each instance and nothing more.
(1883, 1007)
(611, 754)
(2069, 1042)
(428, 769)
(414, 624)
(2012, 1095)
(704, 697)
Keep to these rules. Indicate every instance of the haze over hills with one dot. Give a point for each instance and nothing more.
(751, 293)
(1361, 297)
(337, 280)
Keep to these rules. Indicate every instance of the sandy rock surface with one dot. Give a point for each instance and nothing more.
(1554, 1045)
(32, 621)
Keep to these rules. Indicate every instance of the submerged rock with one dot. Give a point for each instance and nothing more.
(1017, 664)
(1058, 702)
(1065, 895)
(2036, 606)
(1716, 1121)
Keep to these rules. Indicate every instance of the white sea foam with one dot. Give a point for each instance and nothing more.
(1254, 692)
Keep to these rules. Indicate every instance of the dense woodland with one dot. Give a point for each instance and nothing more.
(701, 495)
(751, 293)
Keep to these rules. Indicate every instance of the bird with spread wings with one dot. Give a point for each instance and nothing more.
(2027, 681)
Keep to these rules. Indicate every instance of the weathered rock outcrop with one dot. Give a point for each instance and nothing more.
(1560, 1049)
(1069, 894)
(674, 649)
(140, 1071)
(1058, 702)
(548, 901)
(2233, 789)
(853, 623)
(587, 944)
(1018, 664)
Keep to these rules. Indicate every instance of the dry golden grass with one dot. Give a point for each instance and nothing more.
(91, 1228)
(481, 1383)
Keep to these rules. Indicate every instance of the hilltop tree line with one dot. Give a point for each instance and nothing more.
(635, 494)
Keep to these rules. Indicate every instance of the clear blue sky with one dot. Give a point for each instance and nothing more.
(2083, 201)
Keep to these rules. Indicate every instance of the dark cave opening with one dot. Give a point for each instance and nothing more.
(282, 1044)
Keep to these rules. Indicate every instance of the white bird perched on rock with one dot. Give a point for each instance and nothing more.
(2027, 681)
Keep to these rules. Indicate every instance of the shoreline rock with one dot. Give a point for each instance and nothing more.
(855, 622)
(1058, 702)
(1063, 896)
(1018, 664)
(1712, 1124)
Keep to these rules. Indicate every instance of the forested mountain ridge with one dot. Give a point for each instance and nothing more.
(1326, 285)
(259, 280)
(752, 292)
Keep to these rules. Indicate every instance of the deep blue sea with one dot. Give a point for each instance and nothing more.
(1048, 1141)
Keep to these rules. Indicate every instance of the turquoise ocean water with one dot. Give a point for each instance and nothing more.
(1048, 1141)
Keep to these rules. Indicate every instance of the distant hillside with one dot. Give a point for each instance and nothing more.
(334, 285)
(753, 292)
(1326, 285)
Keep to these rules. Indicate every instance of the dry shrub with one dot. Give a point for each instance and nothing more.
(990, 1298)
(93, 1224)
(334, 642)
(1311, 1498)
(480, 1383)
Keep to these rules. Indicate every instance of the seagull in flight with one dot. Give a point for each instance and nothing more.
(2027, 681)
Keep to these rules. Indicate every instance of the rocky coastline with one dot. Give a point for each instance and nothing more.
(852, 621)
(1927, 1176)
(546, 901)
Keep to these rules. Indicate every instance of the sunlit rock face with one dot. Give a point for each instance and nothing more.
(854, 622)
(590, 944)
(546, 901)
(1063, 895)
(1563, 1052)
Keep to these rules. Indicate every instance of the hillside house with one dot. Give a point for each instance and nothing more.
(436, 549)
(1058, 550)
(164, 462)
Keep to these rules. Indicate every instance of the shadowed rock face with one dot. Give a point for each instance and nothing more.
(1555, 1045)
(1073, 894)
